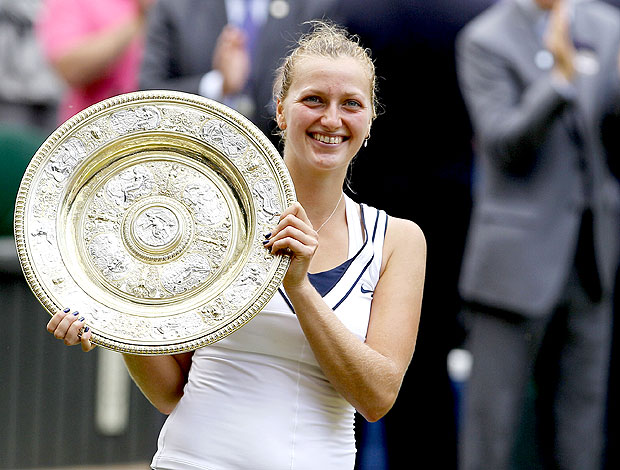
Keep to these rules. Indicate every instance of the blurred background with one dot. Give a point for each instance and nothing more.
(66, 409)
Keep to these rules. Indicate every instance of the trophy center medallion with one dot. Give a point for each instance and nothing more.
(157, 229)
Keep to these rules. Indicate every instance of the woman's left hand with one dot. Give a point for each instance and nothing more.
(294, 236)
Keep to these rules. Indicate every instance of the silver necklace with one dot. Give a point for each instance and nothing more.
(332, 214)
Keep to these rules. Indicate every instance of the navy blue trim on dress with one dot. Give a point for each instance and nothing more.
(288, 302)
(355, 283)
(325, 281)
(374, 231)
(365, 232)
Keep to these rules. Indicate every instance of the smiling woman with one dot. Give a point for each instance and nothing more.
(281, 392)
(330, 105)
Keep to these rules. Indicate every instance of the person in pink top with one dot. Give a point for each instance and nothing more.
(95, 46)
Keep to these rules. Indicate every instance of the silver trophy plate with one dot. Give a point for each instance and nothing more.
(147, 213)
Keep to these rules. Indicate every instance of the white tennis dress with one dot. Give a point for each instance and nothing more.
(257, 399)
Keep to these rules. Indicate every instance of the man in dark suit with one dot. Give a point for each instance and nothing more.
(538, 77)
(224, 50)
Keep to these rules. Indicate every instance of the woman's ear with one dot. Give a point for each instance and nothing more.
(280, 115)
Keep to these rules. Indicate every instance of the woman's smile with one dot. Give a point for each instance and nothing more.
(327, 139)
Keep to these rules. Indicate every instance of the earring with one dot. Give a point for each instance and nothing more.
(366, 141)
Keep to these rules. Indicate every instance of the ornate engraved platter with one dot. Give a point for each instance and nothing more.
(147, 213)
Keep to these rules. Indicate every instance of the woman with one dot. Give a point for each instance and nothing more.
(281, 392)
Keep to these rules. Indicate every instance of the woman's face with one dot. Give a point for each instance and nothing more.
(326, 113)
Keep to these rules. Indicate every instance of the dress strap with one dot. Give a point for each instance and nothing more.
(354, 223)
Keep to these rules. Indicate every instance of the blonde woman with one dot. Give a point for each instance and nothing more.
(338, 337)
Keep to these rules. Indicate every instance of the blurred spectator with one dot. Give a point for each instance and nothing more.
(29, 88)
(95, 46)
(224, 50)
(539, 77)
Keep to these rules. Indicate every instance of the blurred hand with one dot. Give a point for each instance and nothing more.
(294, 236)
(232, 60)
(558, 40)
(69, 327)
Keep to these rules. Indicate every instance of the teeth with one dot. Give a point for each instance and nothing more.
(327, 139)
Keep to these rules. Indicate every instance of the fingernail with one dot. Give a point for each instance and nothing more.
(81, 319)
(268, 235)
(76, 313)
(66, 310)
(265, 242)
(86, 329)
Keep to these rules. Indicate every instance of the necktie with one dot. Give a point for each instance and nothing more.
(250, 28)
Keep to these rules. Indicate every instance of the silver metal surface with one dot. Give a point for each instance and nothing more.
(147, 212)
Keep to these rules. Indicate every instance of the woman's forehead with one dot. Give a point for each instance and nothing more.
(321, 70)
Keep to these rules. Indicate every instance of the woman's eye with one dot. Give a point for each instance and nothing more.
(353, 103)
(312, 99)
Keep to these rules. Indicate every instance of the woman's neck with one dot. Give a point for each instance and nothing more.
(320, 197)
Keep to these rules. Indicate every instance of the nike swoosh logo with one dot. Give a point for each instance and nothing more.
(365, 291)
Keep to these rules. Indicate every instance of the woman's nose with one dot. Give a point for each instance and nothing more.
(331, 117)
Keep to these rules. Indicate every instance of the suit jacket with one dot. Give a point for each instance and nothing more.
(181, 37)
(532, 142)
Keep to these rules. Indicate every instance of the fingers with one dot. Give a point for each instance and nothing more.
(233, 36)
(294, 232)
(297, 210)
(293, 239)
(85, 341)
(69, 327)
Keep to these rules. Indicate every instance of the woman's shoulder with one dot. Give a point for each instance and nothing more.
(404, 231)
(404, 247)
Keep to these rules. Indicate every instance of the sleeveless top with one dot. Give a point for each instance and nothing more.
(258, 399)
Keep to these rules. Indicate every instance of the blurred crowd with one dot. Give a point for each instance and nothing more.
(468, 136)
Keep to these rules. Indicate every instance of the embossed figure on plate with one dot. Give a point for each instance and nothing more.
(66, 158)
(129, 185)
(266, 194)
(185, 273)
(209, 207)
(156, 226)
(107, 254)
(224, 137)
(141, 118)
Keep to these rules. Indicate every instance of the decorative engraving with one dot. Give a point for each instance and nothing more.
(145, 285)
(107, 254)
(211, 314)
(266, 195)
(129, 185)
(156, 226)
(245, 286)
(185, 274)
(66, 158)
(224, 138)
(137, 119)
(208, 205)
(156, 229)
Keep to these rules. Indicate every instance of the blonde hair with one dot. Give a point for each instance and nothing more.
(326, 39)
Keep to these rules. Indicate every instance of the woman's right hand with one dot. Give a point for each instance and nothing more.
(69, 326)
